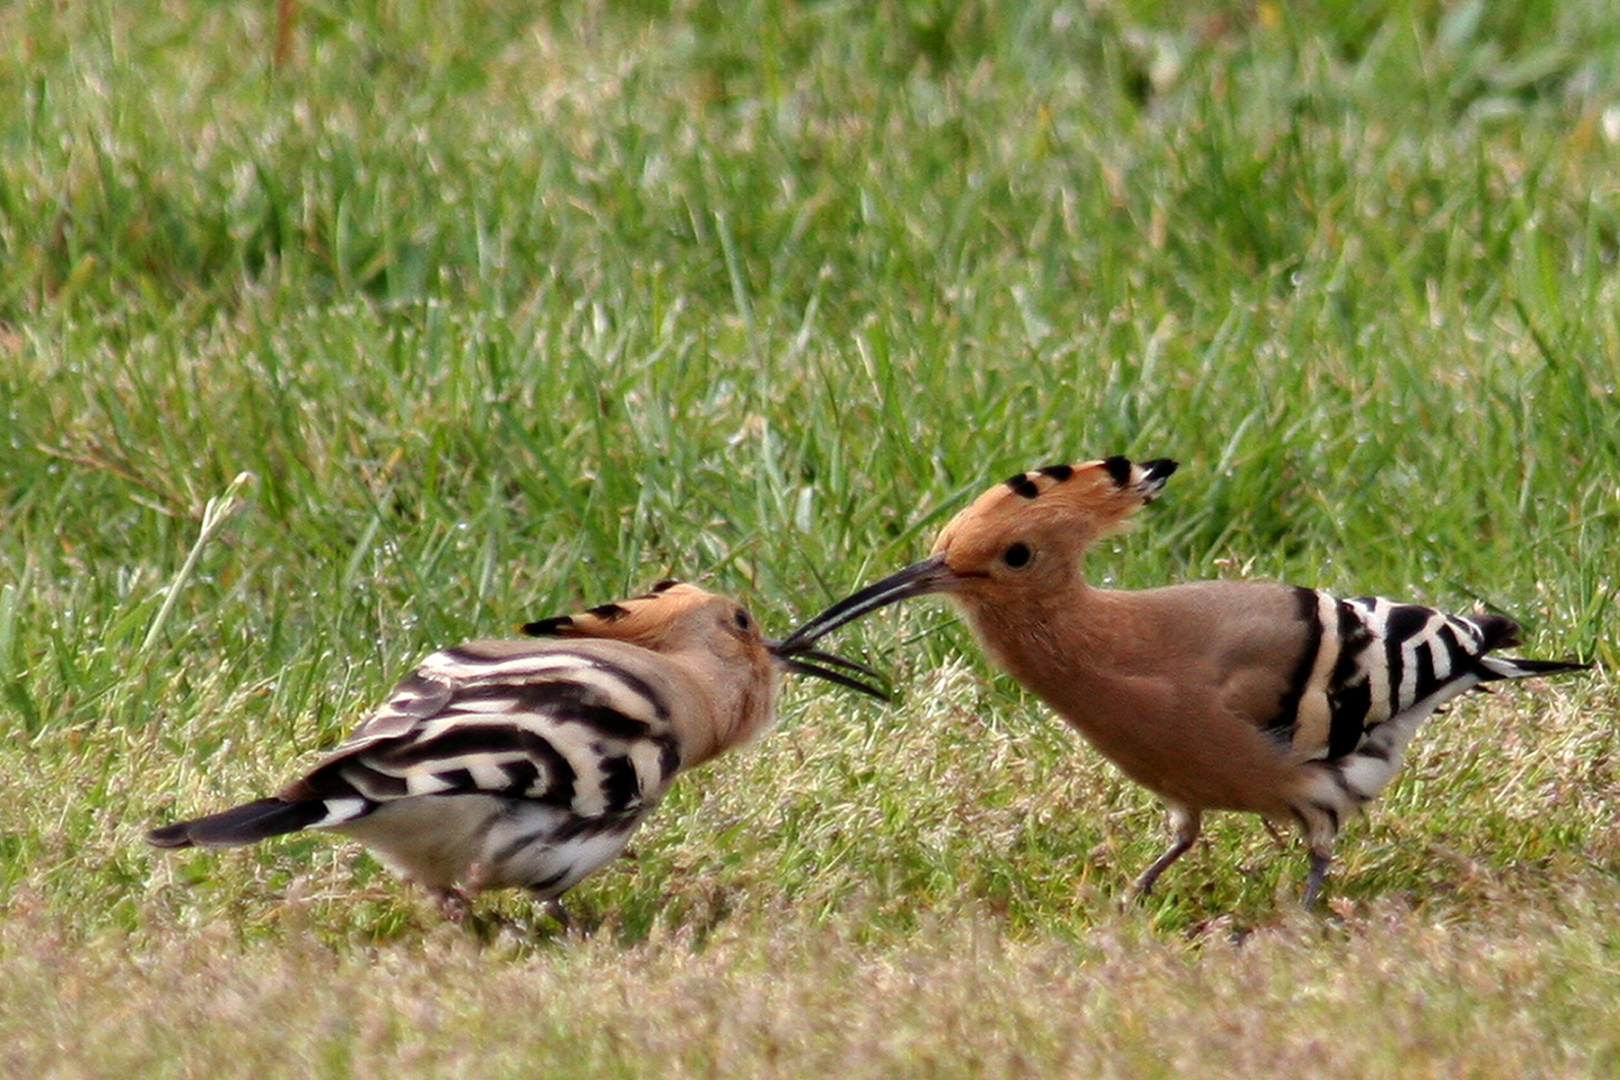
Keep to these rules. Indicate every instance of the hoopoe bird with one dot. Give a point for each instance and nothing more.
(529, 764)
(1215, 695)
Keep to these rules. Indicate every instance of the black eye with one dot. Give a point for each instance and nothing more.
(1017, 555)
(741, 619)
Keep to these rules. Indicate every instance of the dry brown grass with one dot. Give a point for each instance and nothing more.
(1387, 992)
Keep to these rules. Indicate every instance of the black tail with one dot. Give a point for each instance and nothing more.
(246, 824)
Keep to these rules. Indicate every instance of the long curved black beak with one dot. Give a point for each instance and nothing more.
(931, 575)
(804, 660)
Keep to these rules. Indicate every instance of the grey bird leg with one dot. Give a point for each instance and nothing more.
(454, 904)
(1313, 880)
(1184, 822)
(554, 908)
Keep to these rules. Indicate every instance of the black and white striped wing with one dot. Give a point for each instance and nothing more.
(563, 727)
(1369, 660)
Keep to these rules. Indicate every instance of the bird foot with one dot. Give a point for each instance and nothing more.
(455, 905)
(1313, 880)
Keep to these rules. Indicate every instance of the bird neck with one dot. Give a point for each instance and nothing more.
(1056, 643)
(736, 711)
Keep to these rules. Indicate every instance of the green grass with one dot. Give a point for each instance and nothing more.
(505, 309)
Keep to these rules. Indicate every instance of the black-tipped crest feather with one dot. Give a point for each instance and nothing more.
(1119, 468)
(551, 627)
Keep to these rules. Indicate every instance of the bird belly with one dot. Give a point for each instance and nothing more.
(488, 842)
(429, 839)
(1217, 766)
(531, 848)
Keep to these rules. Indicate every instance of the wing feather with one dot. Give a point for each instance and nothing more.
(561, 726)
(1369, 660)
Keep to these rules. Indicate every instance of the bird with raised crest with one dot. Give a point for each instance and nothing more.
(1215, 695)
(529, 763)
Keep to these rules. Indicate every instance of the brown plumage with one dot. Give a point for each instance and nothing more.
(1281, 701)
(531, 763)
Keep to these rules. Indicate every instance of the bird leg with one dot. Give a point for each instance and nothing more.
(1184, 823)
(455, 904)
(554, 908)
(1313, 880)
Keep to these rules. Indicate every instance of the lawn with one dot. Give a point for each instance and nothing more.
(327, 344)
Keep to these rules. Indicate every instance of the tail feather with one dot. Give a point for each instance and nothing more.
(1512, 667)
(244, 824)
